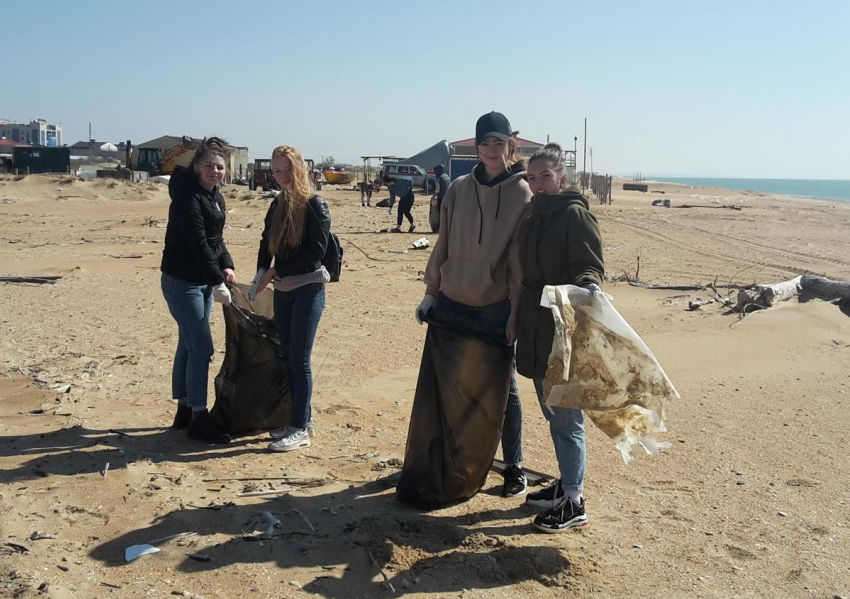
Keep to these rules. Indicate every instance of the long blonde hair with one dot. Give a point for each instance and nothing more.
(288, 220)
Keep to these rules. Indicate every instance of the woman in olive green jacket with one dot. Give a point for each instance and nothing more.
(559, 244)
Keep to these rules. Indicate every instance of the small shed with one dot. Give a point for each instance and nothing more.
(41, 159)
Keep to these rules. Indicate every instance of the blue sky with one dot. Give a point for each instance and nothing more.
(746, 89)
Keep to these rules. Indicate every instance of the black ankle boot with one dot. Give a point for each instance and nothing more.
(182, 417)
(202, 428)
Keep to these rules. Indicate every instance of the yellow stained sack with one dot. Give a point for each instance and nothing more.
(600, 365)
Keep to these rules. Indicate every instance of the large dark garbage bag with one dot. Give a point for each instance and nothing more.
(251, 390)
(457, 416)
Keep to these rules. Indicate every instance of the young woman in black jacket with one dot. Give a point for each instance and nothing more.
(195, 267)
(296, 232)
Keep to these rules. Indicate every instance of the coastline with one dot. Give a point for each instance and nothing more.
(765, 186)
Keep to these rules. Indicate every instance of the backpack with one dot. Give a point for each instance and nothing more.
(333, 257)
(332, 260)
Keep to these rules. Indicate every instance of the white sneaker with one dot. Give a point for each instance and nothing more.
(284, 431)
(297, 439)
(280, 433)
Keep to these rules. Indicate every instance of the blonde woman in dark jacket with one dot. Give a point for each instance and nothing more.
(297, 228)
(559, 244)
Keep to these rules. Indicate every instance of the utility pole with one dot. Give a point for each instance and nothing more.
(584, 160)
(575, 157)
(90, 141)
(591, 160)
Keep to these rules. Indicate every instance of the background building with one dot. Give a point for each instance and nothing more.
(36, 133)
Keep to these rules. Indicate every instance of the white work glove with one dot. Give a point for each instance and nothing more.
(221, 294)
(252, 293)
(427, 303)
(593, 288)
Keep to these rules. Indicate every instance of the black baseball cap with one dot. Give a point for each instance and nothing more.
(493, 124)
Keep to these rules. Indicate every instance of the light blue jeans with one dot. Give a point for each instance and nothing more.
(190, 304)
(566, 425)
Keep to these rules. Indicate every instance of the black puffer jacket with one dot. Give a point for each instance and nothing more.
(559, 244)
(194, 247)
(307, 257)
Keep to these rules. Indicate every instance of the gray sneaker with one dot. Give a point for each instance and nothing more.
(297, 439)
(280, 433)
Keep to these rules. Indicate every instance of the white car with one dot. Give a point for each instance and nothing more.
(416, 173)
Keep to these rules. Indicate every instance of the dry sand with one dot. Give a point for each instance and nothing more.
(751, 501)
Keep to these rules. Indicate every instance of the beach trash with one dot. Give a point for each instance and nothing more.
(421, 243)
(136, 551)
(600, 365)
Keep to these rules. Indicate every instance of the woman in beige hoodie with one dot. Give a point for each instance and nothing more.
(474, 270)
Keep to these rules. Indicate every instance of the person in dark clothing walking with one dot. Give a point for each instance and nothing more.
(443, 183)
(403, 188)
(195, 267)
(297, 228)
(559, 244)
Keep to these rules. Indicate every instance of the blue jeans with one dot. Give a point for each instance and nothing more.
(297, 314)
(492, 320)
(190, 305)
(566, 425)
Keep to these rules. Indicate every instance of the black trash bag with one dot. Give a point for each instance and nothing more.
(251, 390)
(457, 416)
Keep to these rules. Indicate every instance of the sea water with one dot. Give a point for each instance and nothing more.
(827, 189)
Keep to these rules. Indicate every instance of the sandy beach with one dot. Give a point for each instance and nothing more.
(750, 501)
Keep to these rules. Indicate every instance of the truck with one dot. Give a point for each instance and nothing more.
(261, 177)
(417, 174)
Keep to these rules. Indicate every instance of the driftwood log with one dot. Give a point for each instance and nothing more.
(35, 279)
(765, 296)
(825, 289)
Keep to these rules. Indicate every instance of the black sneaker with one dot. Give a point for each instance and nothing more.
(203, 428)
(564, 515)
(546, 498)
(182, 417)
(515, 483)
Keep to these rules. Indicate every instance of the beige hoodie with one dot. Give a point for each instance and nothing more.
(476, 258)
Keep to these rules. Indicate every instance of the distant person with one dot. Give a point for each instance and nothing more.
(295, 237)
(443, 183)
(403, 188)
(474, 271)
(365, 193)
(559, 244)
(195, 267)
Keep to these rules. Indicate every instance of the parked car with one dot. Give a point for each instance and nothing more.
(418, 175)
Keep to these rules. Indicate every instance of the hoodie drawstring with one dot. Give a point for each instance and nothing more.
(481, 211)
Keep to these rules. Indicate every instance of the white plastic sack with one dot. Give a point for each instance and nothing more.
(600, 365)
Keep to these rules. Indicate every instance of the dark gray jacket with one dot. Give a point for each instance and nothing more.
(559, 244)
